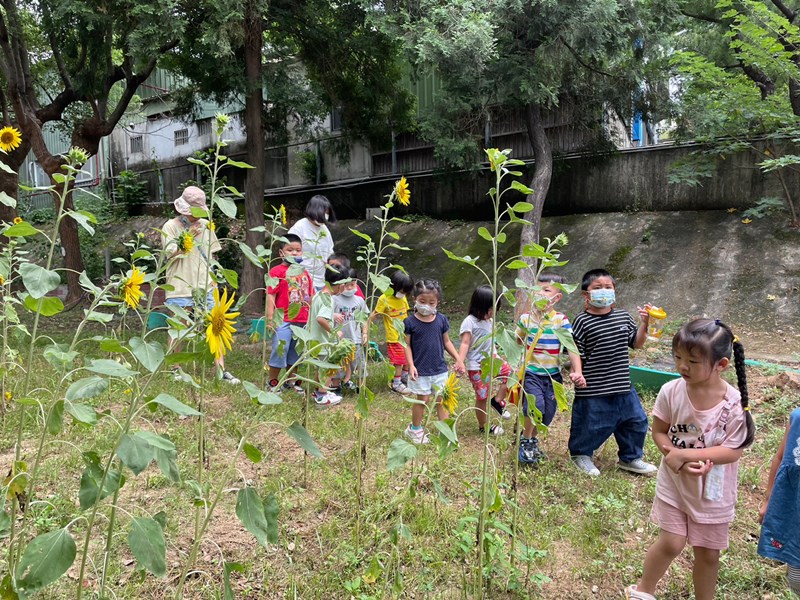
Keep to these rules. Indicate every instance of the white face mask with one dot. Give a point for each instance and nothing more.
(349, 293)
(424, 309)
(399, 295)
(327, 217)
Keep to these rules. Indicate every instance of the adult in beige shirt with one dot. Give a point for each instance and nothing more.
(189, 271)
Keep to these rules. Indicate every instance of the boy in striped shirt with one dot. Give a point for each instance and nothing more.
(538, 328)
(608, 404)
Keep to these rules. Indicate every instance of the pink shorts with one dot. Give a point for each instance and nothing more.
(713, 536)
(397, 354)
(481, 386)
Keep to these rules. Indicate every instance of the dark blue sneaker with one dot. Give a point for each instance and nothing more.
(529, 452)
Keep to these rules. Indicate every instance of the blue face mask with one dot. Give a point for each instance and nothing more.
(602, 298)
(293, 260)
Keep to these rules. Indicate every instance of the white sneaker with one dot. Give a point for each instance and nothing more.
(327, 399)
(585, 464)
(637, 465)
(230, 378)
(400, 388)
(418, 436)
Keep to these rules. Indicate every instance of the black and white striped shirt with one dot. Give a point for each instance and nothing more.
(603, 341)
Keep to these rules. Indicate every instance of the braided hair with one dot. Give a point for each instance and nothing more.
(714, 339)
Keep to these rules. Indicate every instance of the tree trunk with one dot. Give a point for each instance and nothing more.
(252, 276)
(540, 184)
(10, 183)
(68, 234)
(794, 96)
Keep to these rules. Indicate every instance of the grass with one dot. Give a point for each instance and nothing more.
(578, 537)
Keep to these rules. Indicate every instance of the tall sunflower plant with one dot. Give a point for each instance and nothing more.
(525, 268)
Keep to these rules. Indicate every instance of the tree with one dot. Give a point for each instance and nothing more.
(533, 56)
(740, 92)
(314, 55)
(86, 71)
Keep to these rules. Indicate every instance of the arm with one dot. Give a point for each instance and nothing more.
(270, 308)
(644, 321)
(412, 370)
(576, 370)
(463, 348)
(773, 471)
(451, 350)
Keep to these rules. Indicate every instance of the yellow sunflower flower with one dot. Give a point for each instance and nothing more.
(185, 242)
(220, 330)
(282, 211)
(2, 280)
(131, 293)
(10, 139)
(17, 220)
(212, 226)
(402, 192)
(9, 396)
(450, 394)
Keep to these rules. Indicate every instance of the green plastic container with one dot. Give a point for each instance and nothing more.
(650, 379)
(157, 320)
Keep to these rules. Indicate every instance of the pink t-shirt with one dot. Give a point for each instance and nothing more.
(689, 428)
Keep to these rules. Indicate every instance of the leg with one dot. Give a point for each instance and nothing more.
(418, 410)
(593, 421)
(528, 430)
(659, 557)
(705, 572)
(631, 430)
(481, 395)
(793, 575)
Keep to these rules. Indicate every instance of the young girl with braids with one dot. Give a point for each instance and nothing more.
(701, 424)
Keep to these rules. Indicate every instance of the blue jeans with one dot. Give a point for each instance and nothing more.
(284, 347)
(540, 387)
(594, 419)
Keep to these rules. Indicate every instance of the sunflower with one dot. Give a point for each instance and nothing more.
(10, 139)
(185, 242)
(212, 226)
(402, 192)
(220, 330)
(282, 211)
(2, 280)
(450, 394)
(131, 293)
(17, 220)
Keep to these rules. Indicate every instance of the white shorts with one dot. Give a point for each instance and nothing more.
(425, 385)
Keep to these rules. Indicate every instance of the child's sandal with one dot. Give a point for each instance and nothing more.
(631, 593)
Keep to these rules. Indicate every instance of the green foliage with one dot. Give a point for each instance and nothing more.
(130, 191)
(751, 108)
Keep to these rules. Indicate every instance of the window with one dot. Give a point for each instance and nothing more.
(336, 119)
(137, 144)
(204, 127)
(181, 137)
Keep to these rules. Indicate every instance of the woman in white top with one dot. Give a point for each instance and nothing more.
(317, 239)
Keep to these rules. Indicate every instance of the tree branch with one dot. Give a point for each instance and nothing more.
(584, 64)
(706, 18)
(787, 12)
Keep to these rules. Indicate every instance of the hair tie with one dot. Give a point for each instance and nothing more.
(717, 322)
(736, 339)
(746, 409)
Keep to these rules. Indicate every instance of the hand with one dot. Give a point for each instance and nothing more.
(338, 318)
(644, 316)
(364, 340)
(762, 511)
(340, 334)
(673, 458)
(412, 373)
(578, 380)
(459, 367)
(697, 468)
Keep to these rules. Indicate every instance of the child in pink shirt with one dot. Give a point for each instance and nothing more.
(701, 424)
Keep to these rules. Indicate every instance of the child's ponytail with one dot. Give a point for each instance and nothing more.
(741, 382)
